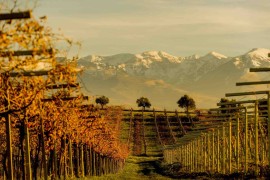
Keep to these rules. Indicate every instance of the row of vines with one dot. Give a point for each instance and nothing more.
(239, 145)
(47, 129)
(159, 127)
(233, 139)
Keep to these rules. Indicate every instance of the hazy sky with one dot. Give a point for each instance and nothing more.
(179, 27)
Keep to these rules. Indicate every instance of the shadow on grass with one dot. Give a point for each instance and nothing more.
(150, 167)
(175, 171)
(147, 167)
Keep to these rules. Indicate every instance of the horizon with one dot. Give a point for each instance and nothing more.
(200, 55)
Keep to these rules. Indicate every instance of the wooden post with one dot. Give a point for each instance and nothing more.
(86, 160)
(65, 157)
(105, 165)
(192, 156)
(187, 152)
(44, 160)
(223, 159)
(91, 162)
(237, 143)
(201, 154)
(218, 151)
(94, 163)
(213, 151)
(27, 149)
(70, 158)
(268, 126)
(130, 126)
(196, 157)
(256, 140)
(184, 156)
(8, 129)
(208, 152)
(230, 146)
(15, 15)
(155, 119)
(246, 141)
(77, 154)
(144, 140)
(189, 156)
(180, 123)
(98, 164)
(169, 126)
(205, 152)
(55, 164)
(82, 160)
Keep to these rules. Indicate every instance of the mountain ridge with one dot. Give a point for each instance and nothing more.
(158, 71)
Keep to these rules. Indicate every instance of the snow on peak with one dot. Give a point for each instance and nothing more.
(158, 56)
(258, 53)
(150, 55)
(216, 55)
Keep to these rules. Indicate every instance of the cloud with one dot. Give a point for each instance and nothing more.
(114, 26)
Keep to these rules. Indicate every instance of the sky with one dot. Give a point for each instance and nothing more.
(178, 27)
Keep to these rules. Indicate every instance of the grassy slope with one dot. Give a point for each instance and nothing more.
(141, 167)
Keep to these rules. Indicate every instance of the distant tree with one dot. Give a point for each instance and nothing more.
(143, 102)
(225, 100)
(186, 102)
(103, 100)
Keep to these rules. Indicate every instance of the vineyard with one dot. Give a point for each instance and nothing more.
(225, 142)
(49, 130)
(233, 139)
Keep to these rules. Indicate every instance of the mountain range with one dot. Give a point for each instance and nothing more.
(164, 78)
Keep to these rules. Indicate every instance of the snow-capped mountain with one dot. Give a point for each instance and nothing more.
(156, 64)
(223, 78)
(160, 73)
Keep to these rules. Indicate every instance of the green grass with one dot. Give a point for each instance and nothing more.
(137, 167)
(141, 167)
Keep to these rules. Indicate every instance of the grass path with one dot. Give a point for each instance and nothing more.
(138, 167)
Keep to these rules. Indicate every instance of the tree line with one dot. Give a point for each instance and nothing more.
(186, 102)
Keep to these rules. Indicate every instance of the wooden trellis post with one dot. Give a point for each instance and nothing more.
(230, 145)
(237, 142)
(223, 157)
(218, 150)
(256, 139)
(268, 125)
(228, 156)
(213, 151)
(10, 16)
(267, 69)
(180, 123)
(144, 135)
(169, 126)
(246, 141)
(8, 131)
(158, 134)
